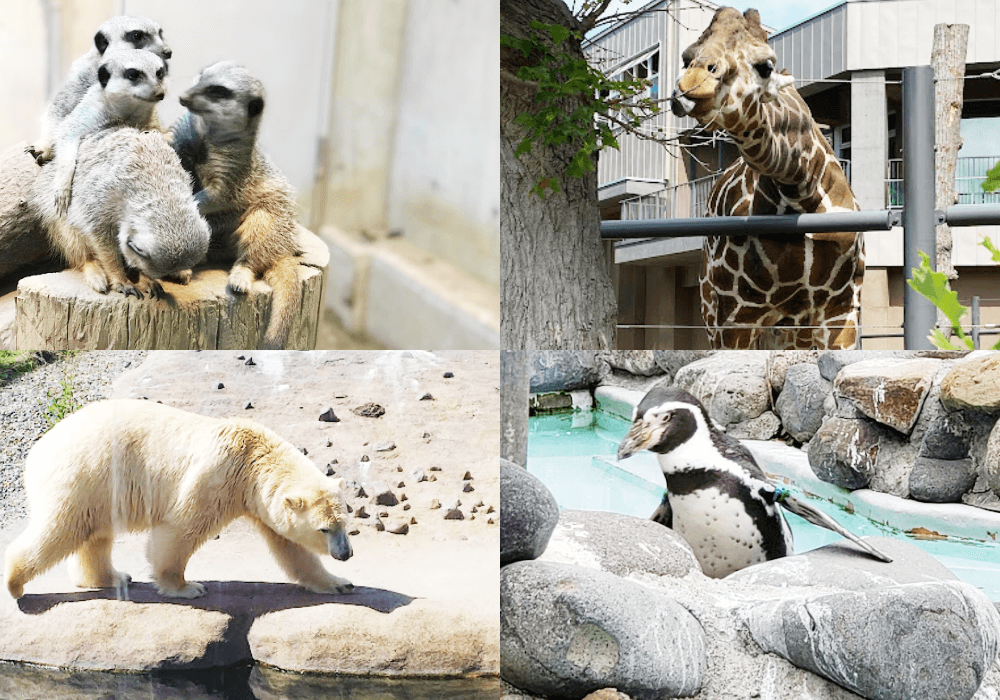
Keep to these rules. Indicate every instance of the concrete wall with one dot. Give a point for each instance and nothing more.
(22, 91)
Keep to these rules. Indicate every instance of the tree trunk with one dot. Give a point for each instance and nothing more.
(557, 292)
(948, 61)
(515, 388)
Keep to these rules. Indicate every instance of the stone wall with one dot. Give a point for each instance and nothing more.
(919, 425)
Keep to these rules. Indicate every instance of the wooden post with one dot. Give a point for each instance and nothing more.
(514, 390)
(948, 61)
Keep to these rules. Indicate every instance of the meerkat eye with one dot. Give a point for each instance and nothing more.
(160, 74)
(220, 92)
(132, 74)
(135, 36)
(764, 69)
(136, 249)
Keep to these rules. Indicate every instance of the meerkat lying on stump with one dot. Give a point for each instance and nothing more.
(131, 208)
(129, 86)
(248, 202)
(116, 33)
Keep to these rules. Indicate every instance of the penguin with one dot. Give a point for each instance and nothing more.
(718, 498)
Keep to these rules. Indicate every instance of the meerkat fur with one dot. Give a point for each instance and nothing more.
(116, 33)
(131, 208)
(248, 202)
(128, 88)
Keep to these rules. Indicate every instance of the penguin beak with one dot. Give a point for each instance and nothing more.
(639, 437)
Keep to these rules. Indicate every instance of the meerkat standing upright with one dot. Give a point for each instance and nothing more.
(116, 33)
(248, 202)
(129, 86)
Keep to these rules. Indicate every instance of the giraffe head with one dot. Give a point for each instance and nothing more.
(728, 71)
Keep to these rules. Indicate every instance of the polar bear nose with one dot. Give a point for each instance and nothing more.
(338, 545)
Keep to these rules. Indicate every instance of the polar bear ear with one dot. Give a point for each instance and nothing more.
(337, 483)
(295, 502)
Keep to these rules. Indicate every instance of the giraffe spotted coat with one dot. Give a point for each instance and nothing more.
(766, 291)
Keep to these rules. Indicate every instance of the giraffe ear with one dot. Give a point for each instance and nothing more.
(776, 82)
(752, 18)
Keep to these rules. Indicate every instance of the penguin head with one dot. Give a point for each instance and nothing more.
(666, 418)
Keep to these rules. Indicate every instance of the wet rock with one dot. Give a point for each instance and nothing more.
(918, 641)
(368, 410)
(844, 452)
(888, 390)
(328, 416)
(563, 371)
(566, 631)
(618, 544)
(731, 385)
(941, 480)
(800, 404)
(530, 514)
(385, 446)
(973, 384)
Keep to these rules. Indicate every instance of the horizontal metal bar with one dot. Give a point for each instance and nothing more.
(973, 215)
(752, 225)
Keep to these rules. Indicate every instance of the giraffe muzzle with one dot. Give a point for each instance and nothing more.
(680, 105)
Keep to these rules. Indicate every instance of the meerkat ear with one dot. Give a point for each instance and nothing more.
(103, 75)
(255, 107)
(101, 42)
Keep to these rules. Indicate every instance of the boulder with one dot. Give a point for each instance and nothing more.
(639, 362)
(566, 631)
(991, 462)
(529, 513)
(800, 404)
(779, 361)
(948, 437)
(732, 385)
(671, 361)
(619, 544)
(941, 480)
(844, 565)
(844, 451)
(563, 370)
(888, 390)
(763, 427)
(916, 641)
(830, 362)
(973, 384)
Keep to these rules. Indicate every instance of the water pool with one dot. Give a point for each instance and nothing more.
(574, 455)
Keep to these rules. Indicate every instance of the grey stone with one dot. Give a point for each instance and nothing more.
(779, 361)
(671, 361)
(947, 437)
(639, 362)
(563, 370)
(917, 641)
(941, 480)
(844, 451)
(991, 461)
(889, 390)
(529, 512)
(566, 631)
(763, 427)
(800, 404)
(973, 384)
(844, 565)
(619, 544)
(731, 384)
(831, 362)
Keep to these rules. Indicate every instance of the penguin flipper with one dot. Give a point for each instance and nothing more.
(664, 514)
(818, 517)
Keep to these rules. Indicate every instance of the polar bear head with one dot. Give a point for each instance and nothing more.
(316, 518)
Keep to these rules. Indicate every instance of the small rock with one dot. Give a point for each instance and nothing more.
(349, 509)
(427, 397)
(435, 469)
(413, 521)
(248, 406)
(303, 450)
(449, 375)
(425, 436)
(385, 446)
(454, 514)
(251, 363)
(369, 410)
(383, 496)
(467, 477)
(221, 386)
(361, 512)
(379, 525)
(417, 475)
(383, 514)
(490, 521)
(328, 416)
(472, 517)
(435, 504)
(329, 443)
(402, 497)
(365, 458)
(432, 478)
(329, 470)
(361, 493)
(400, 528)
(406, 506)
(844, 451)
(355, 531)
(467, 488)
(399, 469)
(334, 460)
(475, 509)
(240, 357)
(491, 509)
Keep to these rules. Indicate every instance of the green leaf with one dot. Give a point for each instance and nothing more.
(942, 342)
(934, 286)
(988, 244)
(992, 183)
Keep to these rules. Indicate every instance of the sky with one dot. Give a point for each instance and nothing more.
(777, 14)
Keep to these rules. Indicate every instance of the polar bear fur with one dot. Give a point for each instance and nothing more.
(126, 465)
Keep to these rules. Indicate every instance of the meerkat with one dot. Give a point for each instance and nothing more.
(131, 208)
(248, 202)
(116, 33)
(129, 86)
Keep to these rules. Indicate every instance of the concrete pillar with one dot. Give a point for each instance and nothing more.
(869, 138)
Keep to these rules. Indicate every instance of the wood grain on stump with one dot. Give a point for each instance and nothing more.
(60, 311)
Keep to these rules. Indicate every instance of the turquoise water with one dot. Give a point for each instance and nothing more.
(574, 455)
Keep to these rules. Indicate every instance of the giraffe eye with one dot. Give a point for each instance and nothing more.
(712, 68)
(686, 60)
(764, 69)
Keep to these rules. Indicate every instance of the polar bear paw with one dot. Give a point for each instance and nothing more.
(337, 586)
(191, 589)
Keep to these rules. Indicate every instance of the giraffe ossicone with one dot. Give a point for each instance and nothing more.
(770, 291)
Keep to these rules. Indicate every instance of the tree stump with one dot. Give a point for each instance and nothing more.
(22, 238)
(59, 311)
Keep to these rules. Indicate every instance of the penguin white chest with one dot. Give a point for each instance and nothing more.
(720, 531)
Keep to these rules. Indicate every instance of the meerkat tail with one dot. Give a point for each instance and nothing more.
(283, 277)
(821, 519)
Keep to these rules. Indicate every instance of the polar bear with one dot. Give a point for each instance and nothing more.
(128, 465)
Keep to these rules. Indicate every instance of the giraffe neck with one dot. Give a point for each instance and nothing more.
(782, 143)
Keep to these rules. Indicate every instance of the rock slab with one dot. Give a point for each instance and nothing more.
(973, 384)
(844, 452)
(800, 404)
(732, 385)
(918, 641)
(566, 631)
(889, 390)
(529, 513)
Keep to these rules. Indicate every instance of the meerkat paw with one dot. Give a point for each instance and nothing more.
(42, 154)
(95, 277)
(181, 276)
(128, 290)
(240, 279)
(63, 198)
(150, 287)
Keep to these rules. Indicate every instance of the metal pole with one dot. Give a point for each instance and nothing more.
(919, 314)
(975, 322)
(789, 224)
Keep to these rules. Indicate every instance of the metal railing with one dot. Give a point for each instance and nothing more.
(970, 174)
(686, 200)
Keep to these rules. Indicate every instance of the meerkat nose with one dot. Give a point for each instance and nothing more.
(167, 53)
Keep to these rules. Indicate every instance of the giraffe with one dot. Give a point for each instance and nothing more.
(776, 282)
